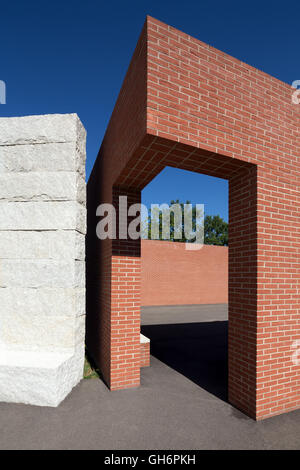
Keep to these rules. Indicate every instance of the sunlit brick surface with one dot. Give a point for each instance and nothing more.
(173, 275)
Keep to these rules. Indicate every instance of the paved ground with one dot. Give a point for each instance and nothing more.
(181, 403)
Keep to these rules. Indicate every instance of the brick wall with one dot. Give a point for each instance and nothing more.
(172, 275)
(185, 104)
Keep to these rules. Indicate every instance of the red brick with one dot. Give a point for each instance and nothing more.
(188, 105)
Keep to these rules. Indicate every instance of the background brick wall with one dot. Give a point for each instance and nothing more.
(172, 275)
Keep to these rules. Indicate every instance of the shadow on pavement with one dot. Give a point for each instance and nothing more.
(196, 350)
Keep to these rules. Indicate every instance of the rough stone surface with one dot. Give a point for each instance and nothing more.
(54, 157)
(39, 129)
(42, 257)
(43, 379)
(67, 215)
(45, 301)
(57, 244)
(41, 333)
(42, 273)
(46, 186)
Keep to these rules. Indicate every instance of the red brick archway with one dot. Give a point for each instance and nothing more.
(187, 105)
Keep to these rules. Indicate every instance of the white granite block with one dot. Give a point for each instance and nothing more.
(51, 333)
(42, 216)
(36, 186)
(53, 157)
(42, 273)
(42, 253)
(40, 129)
(43, 379)
(56, 244)
(46, 301)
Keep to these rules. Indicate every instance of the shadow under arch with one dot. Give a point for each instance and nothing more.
(199, 351)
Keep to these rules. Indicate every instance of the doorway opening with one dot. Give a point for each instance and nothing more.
(184, 294)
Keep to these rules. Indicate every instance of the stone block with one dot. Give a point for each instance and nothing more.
(53, 157)
(46, 301)
(42, 216)
(42, 273)
(42, 379)
(51, 333)
(56, 244)
(37, 186)
(49, 128)
(42, 257)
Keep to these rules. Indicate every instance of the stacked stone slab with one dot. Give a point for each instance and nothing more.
(42, 257)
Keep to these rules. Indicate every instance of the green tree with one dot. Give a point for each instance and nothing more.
(157, 217)
(215, 228)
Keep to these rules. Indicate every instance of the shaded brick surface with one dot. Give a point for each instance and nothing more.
(145, 354)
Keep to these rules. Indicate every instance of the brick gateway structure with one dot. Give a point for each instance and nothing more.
(188, 105)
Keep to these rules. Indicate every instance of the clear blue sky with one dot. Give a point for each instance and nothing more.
(71, 56)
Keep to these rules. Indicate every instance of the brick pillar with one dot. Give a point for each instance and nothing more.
(125, 301)
(242, 293)
(98, 278)
(113, 295)
(278, 299)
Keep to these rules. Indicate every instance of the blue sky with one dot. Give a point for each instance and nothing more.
(71, 56)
